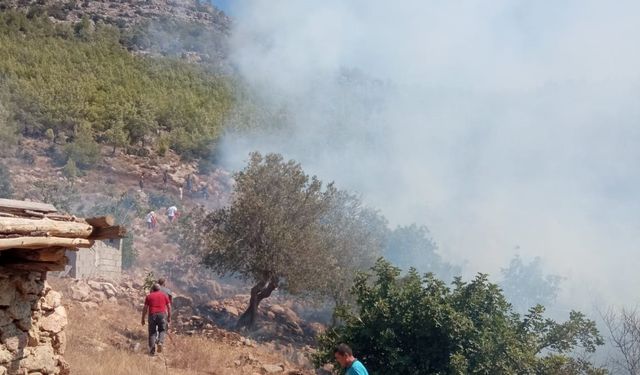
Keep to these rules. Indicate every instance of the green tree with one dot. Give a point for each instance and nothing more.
(282, 230)
(417, 325)
(117, 136)
(83, 149)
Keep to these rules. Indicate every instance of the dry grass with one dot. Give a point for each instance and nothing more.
(100, 341)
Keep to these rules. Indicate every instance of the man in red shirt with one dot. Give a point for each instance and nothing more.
(158, 307)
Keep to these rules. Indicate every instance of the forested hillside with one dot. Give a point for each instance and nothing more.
(77, 85)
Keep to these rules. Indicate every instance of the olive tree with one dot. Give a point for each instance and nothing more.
(284, 230)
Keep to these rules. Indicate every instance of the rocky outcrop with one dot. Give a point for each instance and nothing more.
(32, 322)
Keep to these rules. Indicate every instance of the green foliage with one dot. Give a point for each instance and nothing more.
(83, 150)
(417, 325)
(61, 77)
(62, 195)
(149, 280)
(412, 246)
(70, 169)
(284, 230)
(6, 188)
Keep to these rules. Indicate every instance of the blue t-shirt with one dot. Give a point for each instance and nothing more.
(357, 368)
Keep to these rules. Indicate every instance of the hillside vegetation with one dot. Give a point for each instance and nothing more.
(77, 85)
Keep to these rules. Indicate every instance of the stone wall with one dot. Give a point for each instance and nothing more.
(32, 321)
(103, 260)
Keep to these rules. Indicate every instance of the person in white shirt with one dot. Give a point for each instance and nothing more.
(171, 213)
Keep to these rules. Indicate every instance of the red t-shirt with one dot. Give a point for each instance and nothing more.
(157, 302)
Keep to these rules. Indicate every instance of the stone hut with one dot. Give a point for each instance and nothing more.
(34, 238)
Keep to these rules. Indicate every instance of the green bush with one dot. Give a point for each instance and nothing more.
(415, 325)
(83, 150)
(70, 169)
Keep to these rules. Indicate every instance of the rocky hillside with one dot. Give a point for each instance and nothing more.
(193, 30)
(206, 306)
(126, 13)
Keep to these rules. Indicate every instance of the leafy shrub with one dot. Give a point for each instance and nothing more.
(83, 150)
(416, 325)
(70, 169)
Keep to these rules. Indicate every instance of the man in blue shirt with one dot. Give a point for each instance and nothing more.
(344, 356)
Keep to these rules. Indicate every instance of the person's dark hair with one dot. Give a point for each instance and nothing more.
(343, 349)
(161, 281)
(155, 288)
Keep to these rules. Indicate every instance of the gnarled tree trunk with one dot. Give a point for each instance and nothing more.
(260, 291)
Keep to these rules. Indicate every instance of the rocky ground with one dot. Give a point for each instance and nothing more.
(104, 318)
(104, 314)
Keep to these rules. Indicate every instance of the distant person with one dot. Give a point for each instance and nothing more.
(164, 289)
(150, 219)
(154, 220)
(141, 182)
(158, 307)
(171, 213)
(180, 191)
(344, 356)
(189, 184)
(205, 192)
(165, 180)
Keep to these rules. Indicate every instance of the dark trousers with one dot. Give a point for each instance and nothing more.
(157, 329)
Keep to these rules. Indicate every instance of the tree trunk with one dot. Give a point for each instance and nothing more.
(260, 291)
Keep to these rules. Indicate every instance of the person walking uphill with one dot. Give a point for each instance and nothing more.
(344, 356)
(158, 307)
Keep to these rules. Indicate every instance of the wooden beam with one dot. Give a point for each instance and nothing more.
(43, 242)
(25, 205)
(47, 227)
(101, 221)
(108, 233)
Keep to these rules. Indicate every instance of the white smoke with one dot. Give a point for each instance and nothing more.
(505, 126)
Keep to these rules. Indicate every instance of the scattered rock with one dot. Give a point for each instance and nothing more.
(271, 369)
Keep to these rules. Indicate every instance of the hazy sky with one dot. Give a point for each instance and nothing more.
(505, 126)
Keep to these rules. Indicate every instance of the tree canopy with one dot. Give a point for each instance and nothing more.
(417, 325)
(285, 230)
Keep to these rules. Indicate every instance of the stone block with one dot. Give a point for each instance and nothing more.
(55, 321)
